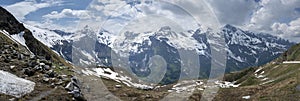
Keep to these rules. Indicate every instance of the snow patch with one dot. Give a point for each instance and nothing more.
(246, 97)
(19, 38)
(49, 38)
(109, 74)
(226, 84)
(13, 85)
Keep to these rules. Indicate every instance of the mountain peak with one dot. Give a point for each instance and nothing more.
(229, 26)
(165, 28)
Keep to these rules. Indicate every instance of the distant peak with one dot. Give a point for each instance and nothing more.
(229, 26)
(165, 28)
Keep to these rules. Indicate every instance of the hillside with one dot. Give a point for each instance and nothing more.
(277, 80)
(29, 70)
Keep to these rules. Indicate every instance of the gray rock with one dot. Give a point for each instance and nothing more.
(12, 67)
(70, 86)
(14, 52)
(60, 82)
(32, 64)
(47, 67)
(298, 88)
(37, 67)
(29, 72)
(20, 56)
(51, 73)
(74, 89)
(118, 86)
(46, 79)
(6, 46)
(7, 59)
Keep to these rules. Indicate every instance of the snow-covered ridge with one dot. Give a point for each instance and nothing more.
(130, 41)
(49, 38)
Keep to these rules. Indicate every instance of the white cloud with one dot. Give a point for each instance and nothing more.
(234, 12)
(181, 12)
(272, 11)
(21, 9)
(107, 7)
(69, 13)
(49, 24)
(290, 31)
(276, 17)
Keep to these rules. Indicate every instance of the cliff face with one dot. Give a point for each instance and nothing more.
(9, 23)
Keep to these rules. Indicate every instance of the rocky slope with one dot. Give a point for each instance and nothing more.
(24, 59)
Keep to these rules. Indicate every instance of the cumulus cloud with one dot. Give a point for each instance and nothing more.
(185, 13)
(235, 12)
(68, 13)
(276, 17)
(290, 31)
(272, 11)
(21, 9)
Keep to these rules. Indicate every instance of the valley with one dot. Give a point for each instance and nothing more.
(39, 64)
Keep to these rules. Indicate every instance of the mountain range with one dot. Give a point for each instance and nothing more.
(46, 64)
(135, 50)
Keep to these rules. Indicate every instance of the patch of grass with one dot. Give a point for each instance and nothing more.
(250, 81)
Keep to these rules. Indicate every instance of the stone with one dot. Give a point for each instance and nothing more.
(46, 67)
(42, 64)
(29, 72)
(46, 79)
(32, 64)
(14, 52)
(51, 73)
(37, 67)
(6, 46)
(118, 86)
(38, 61)
(12, 67)
(298, 88)
(69, 86)
(60, 82)
(20, 56)
(32, 57)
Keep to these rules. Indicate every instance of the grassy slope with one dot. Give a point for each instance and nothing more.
(284, 77)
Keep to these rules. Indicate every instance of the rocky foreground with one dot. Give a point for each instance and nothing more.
(45, 79)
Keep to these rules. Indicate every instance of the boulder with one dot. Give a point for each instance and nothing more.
(20, 56)
(47, 67)
(298, 88)
(29, 72)
(74, 89)
(118, 86)
(51, 74)
(6, 46)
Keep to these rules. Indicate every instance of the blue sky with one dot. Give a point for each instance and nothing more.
(277, 17)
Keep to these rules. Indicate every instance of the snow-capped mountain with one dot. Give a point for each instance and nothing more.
(47, 37)
(244, 48)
